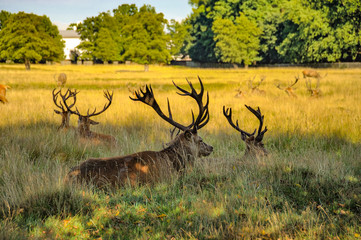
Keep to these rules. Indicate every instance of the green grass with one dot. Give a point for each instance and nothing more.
(308, 188)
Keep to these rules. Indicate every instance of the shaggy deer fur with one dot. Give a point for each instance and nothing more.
(150, 166)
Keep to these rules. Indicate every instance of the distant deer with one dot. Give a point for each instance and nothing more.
(84, 121)
(255, 87)
(240, 93)
(289, 88)
(254, 145)
(61, 79)
(148, 166)
(64, 113)
(312, 74)
(3, 89)
(315, 92)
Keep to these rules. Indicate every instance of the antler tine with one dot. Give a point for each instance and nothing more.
(203, 110)
(147, 97)
(260, 117)
(109, 97)
(297, 78)
(65, 97)
(73, 94)
(228, 114)
(55, 99)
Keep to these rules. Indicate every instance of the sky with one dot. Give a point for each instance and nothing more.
(64, 12)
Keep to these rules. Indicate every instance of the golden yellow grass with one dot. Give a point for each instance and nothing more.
(336, 113)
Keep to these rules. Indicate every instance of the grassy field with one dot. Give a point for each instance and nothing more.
(309, 187)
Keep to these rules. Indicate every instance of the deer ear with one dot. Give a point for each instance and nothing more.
(188, 135)
(92, 122)
(56, 111)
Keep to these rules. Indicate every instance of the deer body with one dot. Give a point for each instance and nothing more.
(148, 166)
(61, 79)
(311, 74)
(143, 167)
(3, 89)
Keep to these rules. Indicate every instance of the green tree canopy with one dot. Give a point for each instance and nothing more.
(106, 48)
(178, 37)
(236, 42)
(30, 38)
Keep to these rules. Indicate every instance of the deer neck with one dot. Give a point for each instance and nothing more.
(84, 130)
(177, 155)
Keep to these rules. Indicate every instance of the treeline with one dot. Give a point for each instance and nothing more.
(229, 31)
(275, 31)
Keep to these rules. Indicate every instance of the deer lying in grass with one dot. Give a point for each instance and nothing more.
(64, 113)
(149, 166)
(84, 121)
(254, 145)
(255, 87)
(314, 92)
(289, 88)
(3, 89)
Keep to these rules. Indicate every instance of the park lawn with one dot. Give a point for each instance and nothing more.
(308, 187)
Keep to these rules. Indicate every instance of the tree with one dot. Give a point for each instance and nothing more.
(4, 16)
(30, 38)
(144, 39)
(236, 42)
(106, 48)
(179, 37)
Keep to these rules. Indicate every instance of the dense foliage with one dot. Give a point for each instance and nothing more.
(292, 31)
(29, 38)
(133, 35)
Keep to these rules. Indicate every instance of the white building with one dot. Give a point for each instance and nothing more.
(72, 39)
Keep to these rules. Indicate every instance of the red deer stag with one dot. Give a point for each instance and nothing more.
(3, 89)
(255, 87)
(64, 113)
(254, 145)
(289, 88)
(148, 166)
(315, 92)
(84, 121)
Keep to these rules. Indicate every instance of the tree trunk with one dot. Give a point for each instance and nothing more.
(27, 64)
(146, 68)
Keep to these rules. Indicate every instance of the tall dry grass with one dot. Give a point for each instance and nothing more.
(310, 186)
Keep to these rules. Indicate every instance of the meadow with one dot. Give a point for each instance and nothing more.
(309, 187)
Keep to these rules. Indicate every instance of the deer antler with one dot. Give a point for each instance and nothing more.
(107, 95)
(228, 114)
(147, 97)
(64, 97)
(203, 115)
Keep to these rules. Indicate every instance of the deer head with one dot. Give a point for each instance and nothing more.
(289, 88)
(188, 141)
(254, 87)
(254, 145)
(314, 92)
(84, 121)
(64, 112)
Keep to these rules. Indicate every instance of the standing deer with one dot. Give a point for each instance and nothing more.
(148, 166)
(255, 88)
(84, 121)
(312, 74)
(3, 89)
(64, 113)
(61, 79)
(254, 145)
(289, 88)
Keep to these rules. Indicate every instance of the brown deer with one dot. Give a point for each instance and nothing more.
(61, 79)
(3, 89)
(64, 113)
(312, 74)
(254, 145)
(289, 88)
(84, 121)
(148, 166)
(315, 92)
(255, 87)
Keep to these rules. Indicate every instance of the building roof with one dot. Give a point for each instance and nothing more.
(69, 34)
